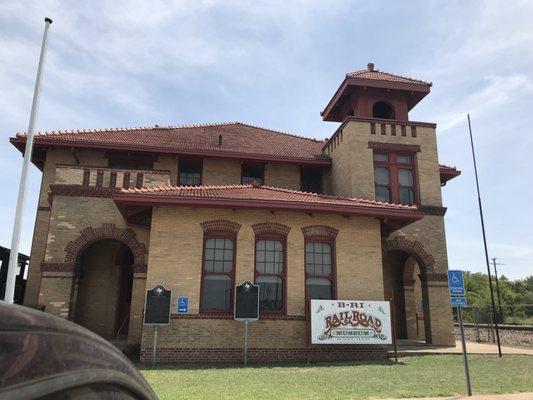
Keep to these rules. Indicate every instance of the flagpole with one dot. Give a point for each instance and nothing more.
(23, 186)
(485, 240)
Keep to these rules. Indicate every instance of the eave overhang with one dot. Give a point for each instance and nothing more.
(447, 173)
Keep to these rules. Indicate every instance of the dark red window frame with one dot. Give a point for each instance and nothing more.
(333, 275)
(283, 275)
(214, 235)
(393, 166)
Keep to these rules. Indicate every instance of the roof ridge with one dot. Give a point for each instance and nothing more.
(390, 74)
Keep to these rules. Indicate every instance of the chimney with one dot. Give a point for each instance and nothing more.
(219, 140)
(370, 66)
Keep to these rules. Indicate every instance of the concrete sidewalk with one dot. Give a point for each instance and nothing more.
(414, 348)
(511, 396)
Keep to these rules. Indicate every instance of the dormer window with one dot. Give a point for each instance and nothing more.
(252, 174)
(394, 178)
(383, 110)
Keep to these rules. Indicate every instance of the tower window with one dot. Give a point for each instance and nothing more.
(394, 178)
(383, 110)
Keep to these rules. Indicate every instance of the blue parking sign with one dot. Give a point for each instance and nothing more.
(183, 305)
(458, 301)
(456, 283)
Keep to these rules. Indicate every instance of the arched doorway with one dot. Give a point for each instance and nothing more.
(103, 289)
(405, 269)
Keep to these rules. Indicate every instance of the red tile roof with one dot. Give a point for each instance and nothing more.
(264, 197)
(385, 76)
(237, 139)
(447, 173)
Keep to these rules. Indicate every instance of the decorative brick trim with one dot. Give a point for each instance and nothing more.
(403, 129)
(411, 148)
(435, 277)
(320, 230)
(230, 316)
(372, 128)
(82, 191)
(393, 129)
(112, 179)
(139, 268)
(433, 210)
(139, 181)
(215, 355)
(413, 131)
(271, 227)
(90, 235)
(86, 176)
(57, 267)
(99, 178)
(383, 128)
(126, 180)
(414, 248)
(218, 225)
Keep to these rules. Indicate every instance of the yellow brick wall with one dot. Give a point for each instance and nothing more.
(221, 171)
(175, 260)
(283, 175)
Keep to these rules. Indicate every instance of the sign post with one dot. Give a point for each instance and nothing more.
(157, 311)
(458, 300)
(246, 309)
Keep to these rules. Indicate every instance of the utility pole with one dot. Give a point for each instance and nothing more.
(23, 186)
(484, 239)
(494, 263)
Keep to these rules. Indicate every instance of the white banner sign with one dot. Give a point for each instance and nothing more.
(350, 322)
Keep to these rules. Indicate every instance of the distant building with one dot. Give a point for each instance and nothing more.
(20, 282)
(200, 208)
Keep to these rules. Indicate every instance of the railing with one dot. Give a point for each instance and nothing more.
(110, 177)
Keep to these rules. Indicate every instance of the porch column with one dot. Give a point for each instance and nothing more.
(137, 305)
(438, 319)
(55, 293)
(410, 308)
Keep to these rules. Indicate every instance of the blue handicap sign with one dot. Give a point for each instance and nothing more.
(458, 302)
(456, 282)
(183, 305)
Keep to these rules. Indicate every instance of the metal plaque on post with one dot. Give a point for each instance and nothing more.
(157, 311)
(246, 302)
(246, 309)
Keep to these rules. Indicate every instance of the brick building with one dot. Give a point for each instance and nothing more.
(200, 208)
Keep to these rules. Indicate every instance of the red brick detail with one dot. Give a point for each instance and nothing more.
(139, 181)
(433, 210)
(393, 129)
(271, 227)
(215, 355)
(218, 225)
(411, 148)
(383, 129)
(57, 267)
(372, 128)
(230, 316)
(126, 180)
(43, 208)
(403, 129)
(112, 179)
(86, 176)
(90, 235)
(435, 277)
(320, 230)
(139, 268)
(413, 131)
(415, 249)
(99, 178)
(82, 191)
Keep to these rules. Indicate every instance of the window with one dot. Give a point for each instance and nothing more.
(383, 110)
(190, 172)
(217, 273)
(270, 273)
(252, 174)
(130, 161)
(311, 179)
(319, 270)
(394, 178)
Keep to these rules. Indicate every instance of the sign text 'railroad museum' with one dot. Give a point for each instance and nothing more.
(199, 209)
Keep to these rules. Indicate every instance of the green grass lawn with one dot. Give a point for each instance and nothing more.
(418, 376)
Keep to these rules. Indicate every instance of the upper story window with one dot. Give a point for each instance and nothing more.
(384, 110)
(218, 272)
(270, 272)
(395, 178)
(319, 276)
(130, 161)
(311, 179)
(190, 172)
(252, 173)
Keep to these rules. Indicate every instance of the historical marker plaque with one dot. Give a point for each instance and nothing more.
(157, 306)
(246, 302)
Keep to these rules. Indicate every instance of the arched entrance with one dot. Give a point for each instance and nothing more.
(103, 287)
(405, 269)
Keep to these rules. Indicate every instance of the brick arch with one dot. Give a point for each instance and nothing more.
(320, 230)
(220, 225)
(415, 249)
(271, 227)
(91, 235)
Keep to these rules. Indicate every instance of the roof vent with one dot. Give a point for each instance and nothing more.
(370, 66)
(162, 127)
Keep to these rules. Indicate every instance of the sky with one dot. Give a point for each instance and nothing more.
(276, 64)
